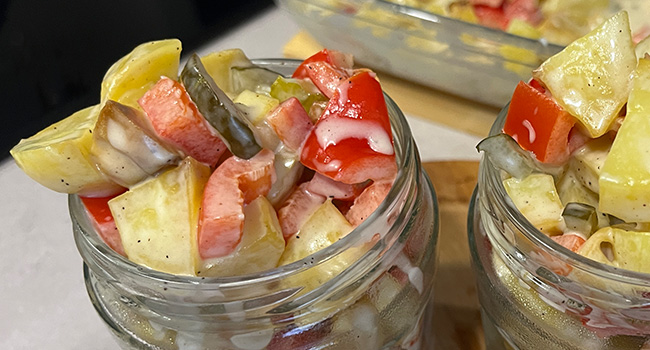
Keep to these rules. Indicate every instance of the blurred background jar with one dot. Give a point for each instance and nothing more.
(381, 281)
(536, 294)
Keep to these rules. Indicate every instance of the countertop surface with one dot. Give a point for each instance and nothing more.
(43, 301)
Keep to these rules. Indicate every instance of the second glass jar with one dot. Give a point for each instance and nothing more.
(536, 294)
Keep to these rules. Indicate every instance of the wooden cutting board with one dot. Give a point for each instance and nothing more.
(456, 317)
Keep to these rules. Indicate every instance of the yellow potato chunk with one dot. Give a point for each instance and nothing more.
(158, 218)
(130, 77)
(537, 199)
(260, 248)
(623, 181)
(323, 228)
(591, 78)
(619, 248)
(58, 157)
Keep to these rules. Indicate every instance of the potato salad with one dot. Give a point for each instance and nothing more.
(556, 21)
(575, 152)
(221, 167)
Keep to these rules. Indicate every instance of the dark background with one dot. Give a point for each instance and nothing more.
(53, 54)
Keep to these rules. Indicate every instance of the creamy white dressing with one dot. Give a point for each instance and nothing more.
(416, 277)
(252, 341)
(331, 166)
(116, 135)
(331, 131)
(532, 135)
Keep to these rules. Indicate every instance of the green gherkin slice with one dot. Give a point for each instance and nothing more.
(304, 90)
(218, 109)
(506, 154)
(580, 217)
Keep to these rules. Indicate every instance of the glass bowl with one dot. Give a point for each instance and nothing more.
(465, 59)
(378, 300)
(536, 294)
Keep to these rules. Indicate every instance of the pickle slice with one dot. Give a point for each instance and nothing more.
(217, 108)
(506, 154)
(580, 217)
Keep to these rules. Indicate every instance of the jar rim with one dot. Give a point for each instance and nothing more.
(407, 165)
(492, 176)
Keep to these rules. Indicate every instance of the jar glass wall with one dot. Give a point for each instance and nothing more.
(536, 294)
(380, 281)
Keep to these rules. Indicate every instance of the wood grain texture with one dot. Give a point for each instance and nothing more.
(456, 319)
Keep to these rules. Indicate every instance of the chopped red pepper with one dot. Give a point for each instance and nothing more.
(539, 124)
(492, 17)
(335, 58)
(352, 140)
(102, 219)
(177, 121)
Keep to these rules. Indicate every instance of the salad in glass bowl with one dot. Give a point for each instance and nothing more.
(449, 46)
(245, 204)
(559, 226)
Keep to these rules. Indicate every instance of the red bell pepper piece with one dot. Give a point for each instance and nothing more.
(539, 124)
(102, 219)
(177, 121)
(335, 58)
(291, 123)
(352, 140)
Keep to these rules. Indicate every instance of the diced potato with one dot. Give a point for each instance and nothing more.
(587, 162)
(357, 327)
(219, 65)
(567, 20)
(591, 78)
(260, 248)
(130, 77)
(464, 12)
(619, 248)
(257, 105)
(583, 13)
(522, 28)
(536, 198)
(384, 291)
(58, 157)
(624, 185)
(323, 228)
(157, 219)
(642, 48)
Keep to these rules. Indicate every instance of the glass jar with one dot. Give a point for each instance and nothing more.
(377, 301)
(536, 294)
